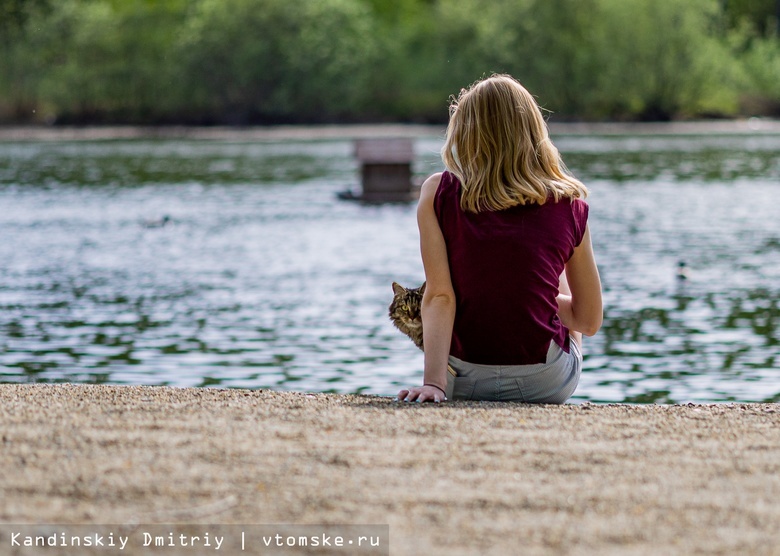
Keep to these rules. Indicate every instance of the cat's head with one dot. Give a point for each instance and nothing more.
(407, 303)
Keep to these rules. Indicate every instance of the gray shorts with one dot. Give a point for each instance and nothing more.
(550, 382)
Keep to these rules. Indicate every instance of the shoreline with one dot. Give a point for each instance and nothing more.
(751, 126)
(451, 478)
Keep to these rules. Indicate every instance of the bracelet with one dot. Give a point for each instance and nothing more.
(437, 387)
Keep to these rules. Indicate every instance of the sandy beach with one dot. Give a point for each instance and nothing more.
(451, 478)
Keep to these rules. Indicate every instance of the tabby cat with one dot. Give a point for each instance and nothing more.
(405, 312)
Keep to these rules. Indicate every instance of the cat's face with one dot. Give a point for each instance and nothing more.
(407, 304)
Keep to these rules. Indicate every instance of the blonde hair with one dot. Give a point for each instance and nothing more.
(499, 148)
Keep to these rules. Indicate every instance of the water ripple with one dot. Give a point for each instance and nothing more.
(263, 279)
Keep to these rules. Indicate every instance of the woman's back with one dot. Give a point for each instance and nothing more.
(505, 268)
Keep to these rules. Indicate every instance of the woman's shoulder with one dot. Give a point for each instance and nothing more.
(579, 207)
(575, 204)
(579, 210)
(431, 184)
(570, 210)
(436, 192)
(429, 192)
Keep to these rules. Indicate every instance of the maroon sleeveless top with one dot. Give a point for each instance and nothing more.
(505, 267)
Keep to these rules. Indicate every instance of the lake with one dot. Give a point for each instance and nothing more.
(263, 278)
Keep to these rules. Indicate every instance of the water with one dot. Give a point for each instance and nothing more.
(264, 279)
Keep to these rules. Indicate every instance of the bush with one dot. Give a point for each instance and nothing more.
(265, 61)
(100, 61)
(760, 64)
(282, 61)
(651, 59)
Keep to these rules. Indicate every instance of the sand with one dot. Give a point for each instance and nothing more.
(450, 478)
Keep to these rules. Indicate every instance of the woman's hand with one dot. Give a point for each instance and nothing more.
(425, 393)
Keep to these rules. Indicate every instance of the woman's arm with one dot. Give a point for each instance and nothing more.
(582, 311)
(438, 306)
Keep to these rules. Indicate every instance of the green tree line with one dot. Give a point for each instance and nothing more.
(313, 61)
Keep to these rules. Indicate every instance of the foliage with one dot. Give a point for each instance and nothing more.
(276, 61)
(762, 16)
(271, 60)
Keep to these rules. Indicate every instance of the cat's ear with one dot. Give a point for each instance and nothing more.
(422, 288)
(398, 289)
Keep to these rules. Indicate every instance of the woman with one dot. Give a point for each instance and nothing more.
(512, 283)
